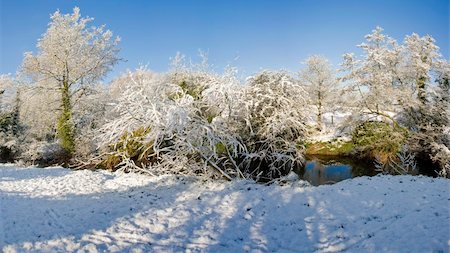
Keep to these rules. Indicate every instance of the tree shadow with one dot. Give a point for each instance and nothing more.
(189, 215)
(31, 220)
(10, 173)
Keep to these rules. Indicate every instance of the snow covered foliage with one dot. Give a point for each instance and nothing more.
(10, 126)
(194, 121)
(406, 85)
(275, 118)
(183, 120)
(320, 83)
(374, 80)
(90, 112)
(39, 143)
(71, 57)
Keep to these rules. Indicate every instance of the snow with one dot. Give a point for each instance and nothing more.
(59, 210)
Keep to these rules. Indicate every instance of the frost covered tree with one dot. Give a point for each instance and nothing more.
(406, 85)
(71, 57)
(420, 56)
(10, 124)
(430, 122)
(320, 83)
(374, 80)
(379, 94)
(391, 77)
(6, 85)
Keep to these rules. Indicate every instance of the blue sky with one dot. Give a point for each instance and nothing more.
(248, 34)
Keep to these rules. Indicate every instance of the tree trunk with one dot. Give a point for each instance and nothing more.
(319, 112)
(65, 126)
(421, 93)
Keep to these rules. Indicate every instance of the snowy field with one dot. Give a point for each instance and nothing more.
(58, 210)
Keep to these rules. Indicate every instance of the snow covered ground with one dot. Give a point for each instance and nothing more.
(58, 210)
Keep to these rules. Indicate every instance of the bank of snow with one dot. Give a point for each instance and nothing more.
(55, 209)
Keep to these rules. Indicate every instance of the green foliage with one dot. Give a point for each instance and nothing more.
(10, 131)
(65, 128)
(194, 90)
(333, 147)
(132, 146)
(221, 149)
(379, 139)
(65, 131)
(5, 121)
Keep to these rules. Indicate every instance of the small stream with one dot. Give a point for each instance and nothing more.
(320, 170)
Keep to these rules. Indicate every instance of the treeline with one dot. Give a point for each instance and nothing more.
(192, 120)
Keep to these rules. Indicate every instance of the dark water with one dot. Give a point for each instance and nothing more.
(321, 170)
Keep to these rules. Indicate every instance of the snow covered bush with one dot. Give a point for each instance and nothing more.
(185, 112)
(9, 136)
(387, 146)
(43, 153)
(378, 139)
(275, 125)
(89, 114)
(430, 141)
(194, 121)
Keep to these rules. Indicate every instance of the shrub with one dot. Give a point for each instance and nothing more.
(43, 154)
(206, 124)
(274, 125)
(187, 114)
(131, 149)
(378, 139)
(403, 163)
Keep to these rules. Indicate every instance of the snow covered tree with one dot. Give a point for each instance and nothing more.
(71, 57)
(407, 85)
(375, 80)
(379, 94)
(320, 83)
(430, 122)
(420, 55)
(5, 84)
(10, 124)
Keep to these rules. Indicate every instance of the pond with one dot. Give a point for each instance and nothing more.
(321, 170)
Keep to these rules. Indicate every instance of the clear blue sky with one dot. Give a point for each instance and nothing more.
(260, 34)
